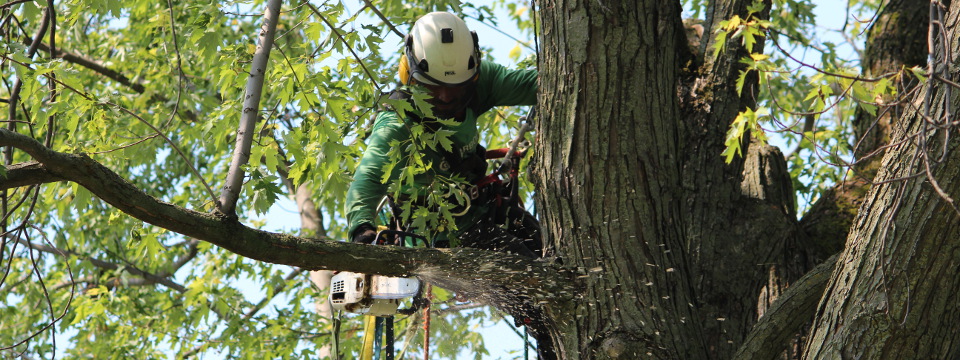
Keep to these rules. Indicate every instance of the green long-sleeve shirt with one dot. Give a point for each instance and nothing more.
(496, 86)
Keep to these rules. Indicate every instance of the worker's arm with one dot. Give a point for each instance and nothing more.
(499, 86)
(369, 186)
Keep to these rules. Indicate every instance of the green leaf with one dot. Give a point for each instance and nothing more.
(202, 20)
(748, 38)
(920, 73)
(514, 53)
(272, 158)
(265, 194)
(756, 7)
(719, 42)
(740, 80)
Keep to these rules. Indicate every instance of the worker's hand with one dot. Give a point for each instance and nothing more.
(364, 234)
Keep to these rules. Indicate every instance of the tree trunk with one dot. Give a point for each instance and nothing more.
(673, 244)
(311, 225)
(608, 169)
(892, 295)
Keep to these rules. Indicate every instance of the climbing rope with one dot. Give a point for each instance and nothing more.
(426, 321)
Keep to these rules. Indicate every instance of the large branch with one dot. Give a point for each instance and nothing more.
(787, 316)
(26, 173)
(464, 270)
(96, 66)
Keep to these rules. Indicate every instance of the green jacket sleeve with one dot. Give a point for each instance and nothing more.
(499, 86)
(368, 188)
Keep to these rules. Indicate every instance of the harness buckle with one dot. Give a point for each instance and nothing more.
(474, 192)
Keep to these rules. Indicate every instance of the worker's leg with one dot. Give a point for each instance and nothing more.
(525, 226)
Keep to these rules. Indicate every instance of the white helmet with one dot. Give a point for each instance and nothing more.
(441, 50)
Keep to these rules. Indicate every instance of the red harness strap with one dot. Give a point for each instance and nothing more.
(500, 153)
(494, 178)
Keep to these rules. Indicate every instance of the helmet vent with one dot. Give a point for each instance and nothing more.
(471, 64)
(446, 35)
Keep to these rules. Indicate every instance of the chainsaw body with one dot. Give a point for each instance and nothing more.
(370, 294)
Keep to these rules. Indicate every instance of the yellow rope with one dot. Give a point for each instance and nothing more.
(369, 333)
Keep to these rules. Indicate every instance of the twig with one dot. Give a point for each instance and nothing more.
(457, 308)
(946, 81)
(296, 79)
(384, 18)
(345, 43)
(51, 129)
(21, 229)
(819, 70)
(161, 278)
(276, 291)
(12, 3)
(180, 76)
(145, 138)
(115, 75)
(503, 33)
(18, 84)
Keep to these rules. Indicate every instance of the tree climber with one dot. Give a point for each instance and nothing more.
(442, 59)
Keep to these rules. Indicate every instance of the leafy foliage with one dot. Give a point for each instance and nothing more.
(807, 101)
(153, 91)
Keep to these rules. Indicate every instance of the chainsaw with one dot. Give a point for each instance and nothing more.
(374, 295)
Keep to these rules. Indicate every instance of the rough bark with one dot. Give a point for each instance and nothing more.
(608, 169)
(896, 40)
(891, 295)
(25, 174)
(786, 316)
(739, 218)
(641, 186)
